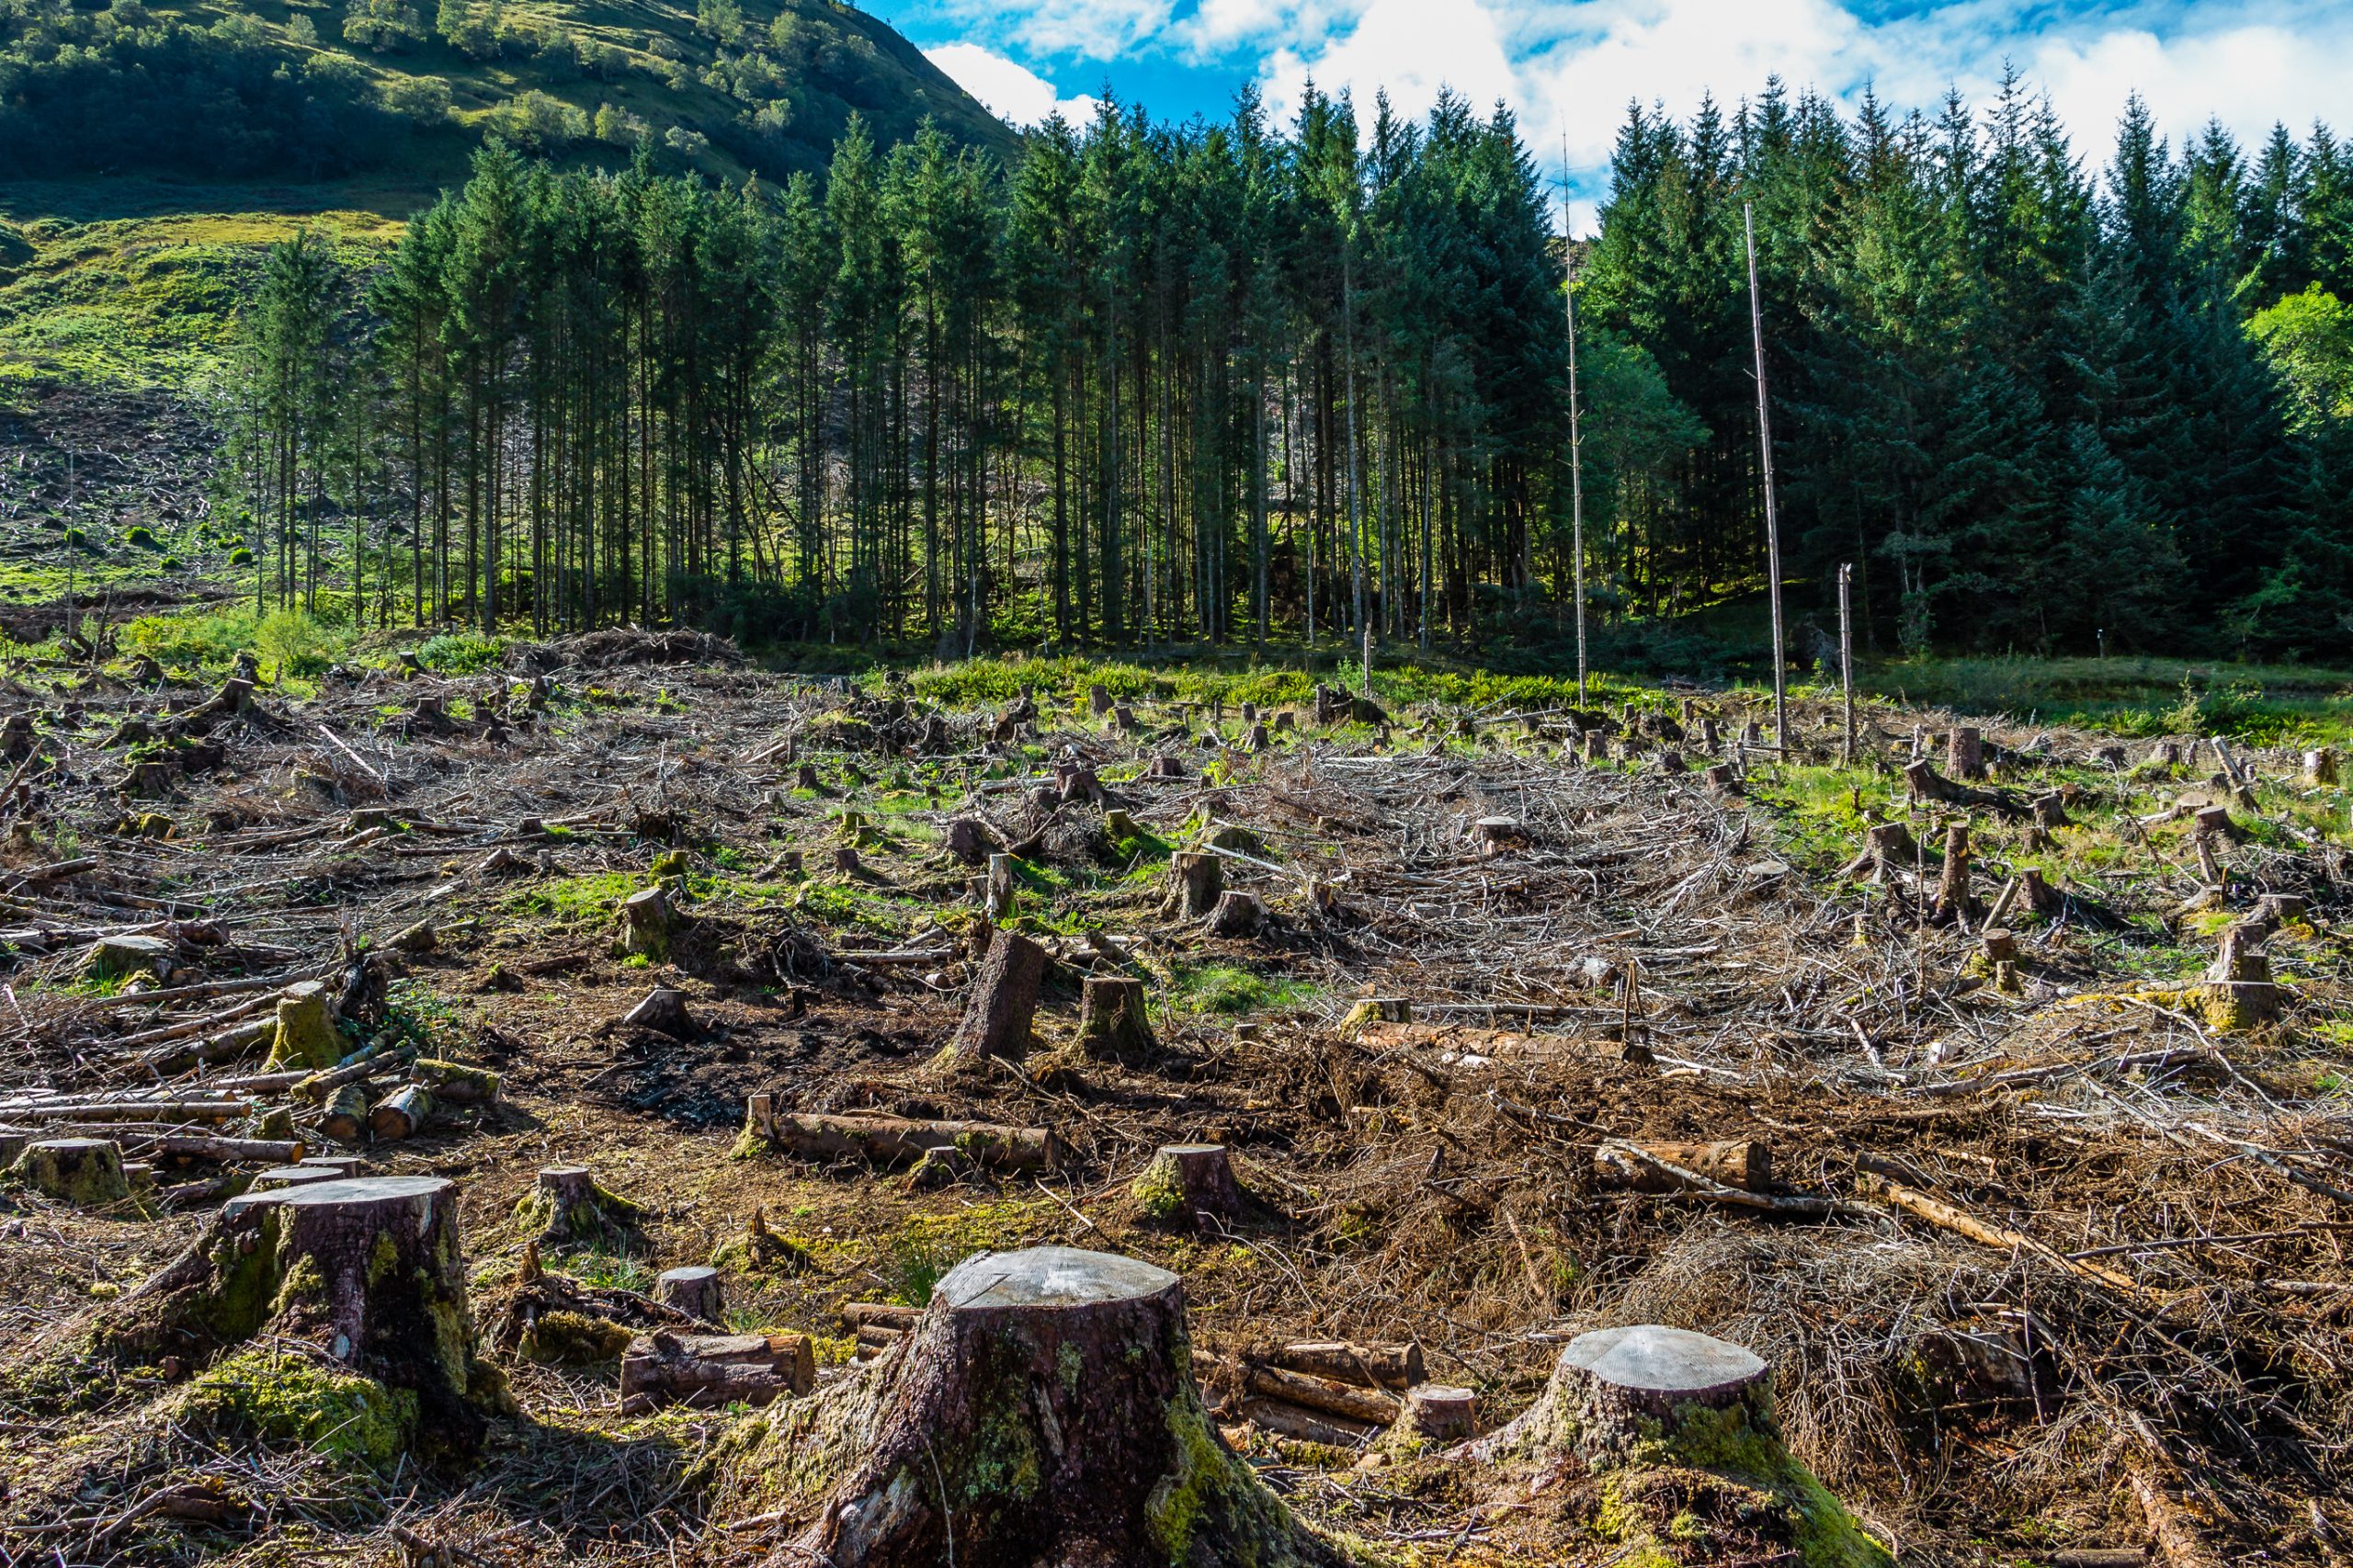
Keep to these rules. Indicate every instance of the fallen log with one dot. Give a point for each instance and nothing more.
(1961, 1222)
(1306, 1426)
(1926, 783)
(892, 1140)
(127, 1110)
(222, 1150)
(705, 1371)
(1744, 1163)
(1328, 1396)
(1375, 1366)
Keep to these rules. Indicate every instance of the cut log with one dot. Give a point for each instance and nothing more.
(1743, 1163)
(895, 1140)
(401, 1114)
(1047, 1396)
(1191, 1185)
(705, 1371)
(1195, 882)
(453, 1083)
(83, 1172)
(1351, 1402)
(1113, 1023)
(1286, 1420)
(1004, 1002)
(225, 1151)
(1393, 1367)
(695, 1291)
(345, 1117)
(1238, 914)
(307, 1036)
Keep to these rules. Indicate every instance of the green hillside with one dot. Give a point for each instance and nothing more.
(306, 90)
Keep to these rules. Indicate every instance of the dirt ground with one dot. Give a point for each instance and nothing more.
(2051, 1261)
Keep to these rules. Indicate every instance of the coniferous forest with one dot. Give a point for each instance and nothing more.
(1153, 385)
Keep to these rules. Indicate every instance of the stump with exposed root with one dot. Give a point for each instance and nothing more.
(1042, 1409)
(307, 1036)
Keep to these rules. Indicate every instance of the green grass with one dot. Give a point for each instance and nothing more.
(2137, 698)
(1225, 989)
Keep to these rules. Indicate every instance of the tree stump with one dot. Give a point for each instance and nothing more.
(1721, 779)
(1887, 849)
(1195, 882)
(1191, 1185)
(1256, 740)
(2051, 811)
(1112, 1022)
(1098, 702)
(1079, 784)
(1953, 902)
(572, 1210)
(1041, 1411)
(1965, 753)
(664, 1011)
(131, 956)
(84, 1172)
(1167, 768)
(2320, 766)
(368, 1269)
(307, 1036)
(1237, 915)
(2238, 994)
(1617, 1389)
(648, 923)
(1436, 1412)
(1004, 1002)
(694, 1291)
(972, 841)
(845, 860)
(1999, 947)
(279, 1176)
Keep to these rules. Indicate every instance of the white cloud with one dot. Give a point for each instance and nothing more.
(1090, 30)
(1005, 87)
(1410, 49)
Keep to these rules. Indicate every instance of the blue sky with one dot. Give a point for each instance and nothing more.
(1569, 67)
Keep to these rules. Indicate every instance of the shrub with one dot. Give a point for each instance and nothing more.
(461, 653)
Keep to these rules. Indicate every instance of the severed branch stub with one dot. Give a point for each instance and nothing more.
(1042, 1409)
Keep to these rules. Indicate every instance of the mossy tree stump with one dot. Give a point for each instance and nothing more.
(648, 924)
(1679, 1425)
(307, 1036)
(368, 1269)
(1003, 1002)
(1191, 1185)
(1042, 1409)
(1113, 1023)
(84, 1172)
(572, 1210)
(2239, 993)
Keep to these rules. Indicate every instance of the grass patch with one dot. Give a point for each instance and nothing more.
(1227, 990)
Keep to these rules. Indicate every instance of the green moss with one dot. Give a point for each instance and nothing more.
(563, 1338)
(1158, 1193)
(1739, 1445)
(256, 1395)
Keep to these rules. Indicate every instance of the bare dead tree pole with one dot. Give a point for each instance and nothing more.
(1772, 514)
(1846, 650)
(1576, 433)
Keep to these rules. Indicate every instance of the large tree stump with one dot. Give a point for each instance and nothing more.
(572, 1210)
(1196, 881)
(84, 1172)
(1004, 1000)
(972, 841)
(307, 1036)
(1113, 1023)
(131, 956)
(1953, 900)
(1965, 753)
(1043, 1411)
(368, 1269)
(664, 1010)
(1191, 1185)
